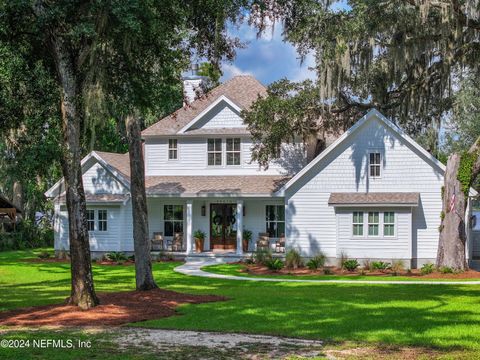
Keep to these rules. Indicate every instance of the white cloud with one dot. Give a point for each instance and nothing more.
(231, 70)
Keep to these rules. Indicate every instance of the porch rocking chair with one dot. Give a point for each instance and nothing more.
(263, 241)
(280, 244)
(177, 242)
(157, 241)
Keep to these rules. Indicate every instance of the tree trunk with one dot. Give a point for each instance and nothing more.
(143, 263)
(18, 196)
(451, 246)
(82, 292)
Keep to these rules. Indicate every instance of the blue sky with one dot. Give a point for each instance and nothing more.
(268, 58)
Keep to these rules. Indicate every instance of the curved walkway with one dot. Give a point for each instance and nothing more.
(193, 268)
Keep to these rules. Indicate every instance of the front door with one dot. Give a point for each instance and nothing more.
(223, 227)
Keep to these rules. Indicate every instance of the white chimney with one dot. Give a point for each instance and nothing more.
(192, 85)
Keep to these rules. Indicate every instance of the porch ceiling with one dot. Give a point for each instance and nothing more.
(260, 185)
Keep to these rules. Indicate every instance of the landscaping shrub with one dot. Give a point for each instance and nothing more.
(261, 256)
(44, 255)
(327, 271)
(380, 265)
(367, 265)
(427, 269)
(115, 256)
(293, 260)
(351, 264)
(342, 259)
(446, 270)
(397, 266)
(274, 264)
(317, 261)
(26, 236)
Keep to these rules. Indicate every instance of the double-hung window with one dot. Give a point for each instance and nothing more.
(214, 152)
(374, 164)
(358, 223)
(173, 219)
(172, 149)
(275, 220)
(373, 223)
(389, 223)
(102, 220)
(91, 220)
(233, 151)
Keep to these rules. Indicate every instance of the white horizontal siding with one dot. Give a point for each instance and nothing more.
(221, 116)
(98, 180)
(378, 247)
(192, 157)
(104, 241)
(345, 170)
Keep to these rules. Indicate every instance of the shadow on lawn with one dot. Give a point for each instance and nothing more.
(444, 316)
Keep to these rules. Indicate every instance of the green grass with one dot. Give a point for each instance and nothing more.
(236, 270)
(446, 317)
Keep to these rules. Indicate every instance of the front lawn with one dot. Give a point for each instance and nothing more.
(446, 317)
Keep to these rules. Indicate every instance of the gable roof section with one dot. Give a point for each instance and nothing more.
(373, 113)
(241, 90)
(117, 164)
(209, 108)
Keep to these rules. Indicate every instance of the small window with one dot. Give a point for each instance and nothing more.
(374, 164)
(173, 219)
(389, 223)
(214, 151)
(358, 223)
(91, 220)
(102, 220)
(373, 221)
(172, 149)
(275, 220)
(233, 151)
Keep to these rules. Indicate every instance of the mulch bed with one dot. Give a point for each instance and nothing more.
(415, 273)
(115, 309)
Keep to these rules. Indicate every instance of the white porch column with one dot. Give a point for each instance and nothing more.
(189, 232)
(239, 227)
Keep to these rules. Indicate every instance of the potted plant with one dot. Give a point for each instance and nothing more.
(199, 236)
(247, 236)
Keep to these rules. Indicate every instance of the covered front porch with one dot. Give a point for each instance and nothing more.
(230, 227)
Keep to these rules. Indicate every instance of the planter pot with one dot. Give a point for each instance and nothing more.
(199, 245)
(245, 245)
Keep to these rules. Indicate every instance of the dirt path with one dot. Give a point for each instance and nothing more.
(210, 344)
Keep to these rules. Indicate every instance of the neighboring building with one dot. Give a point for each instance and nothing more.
(373, 193)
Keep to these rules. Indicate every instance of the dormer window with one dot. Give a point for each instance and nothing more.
(214, 152)
(172, 149)
(374, 164)
(233, 151)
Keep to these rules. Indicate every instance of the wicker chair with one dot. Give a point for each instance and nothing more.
(263, 241)
(157, 241)
(280, 244)
(177, 242)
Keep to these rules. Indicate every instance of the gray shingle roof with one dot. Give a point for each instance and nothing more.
(377, 198)
(242, 90)
(92, 198)
(205, 185)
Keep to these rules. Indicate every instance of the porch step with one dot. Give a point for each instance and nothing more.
(215, 257)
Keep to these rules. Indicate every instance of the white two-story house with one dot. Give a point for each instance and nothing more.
(374, 193)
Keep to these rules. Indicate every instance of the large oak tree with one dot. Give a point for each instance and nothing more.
(403, 57)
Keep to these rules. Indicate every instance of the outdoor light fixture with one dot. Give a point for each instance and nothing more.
(204, 211)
